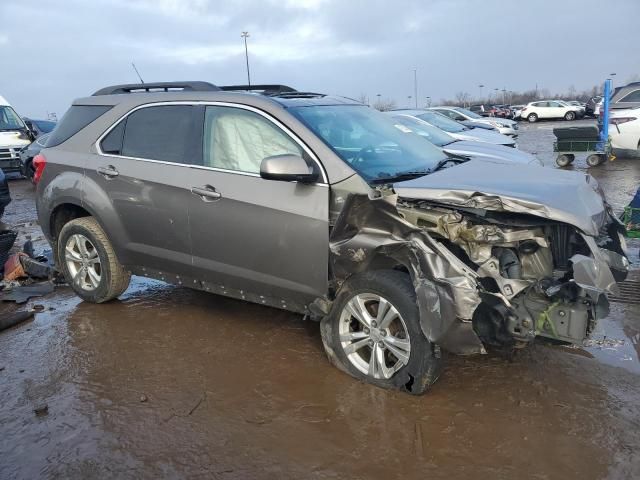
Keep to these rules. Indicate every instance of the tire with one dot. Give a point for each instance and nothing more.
(595, 159)
(414, 374)
(565, 160)
(112, 279)
(569, 116)
(532, 117)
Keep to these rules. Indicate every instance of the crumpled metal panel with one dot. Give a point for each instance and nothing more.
(568, 197)
(370, 230)
(593, 273)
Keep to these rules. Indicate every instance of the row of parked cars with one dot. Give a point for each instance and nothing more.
(404, 234)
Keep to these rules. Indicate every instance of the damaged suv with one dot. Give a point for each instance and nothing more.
(323, 206)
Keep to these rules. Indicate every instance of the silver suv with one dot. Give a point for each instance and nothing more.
(323, 206)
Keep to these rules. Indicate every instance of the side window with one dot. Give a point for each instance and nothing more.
(238, 139)
(164, 133)
(112, 143)
(632, 97)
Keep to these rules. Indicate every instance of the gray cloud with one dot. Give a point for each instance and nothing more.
(58, 50)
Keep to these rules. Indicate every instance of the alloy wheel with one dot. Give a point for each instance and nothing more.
(374, 336)
(83, 262)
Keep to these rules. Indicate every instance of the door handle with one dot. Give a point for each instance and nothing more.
(108, 172)
(206, 193)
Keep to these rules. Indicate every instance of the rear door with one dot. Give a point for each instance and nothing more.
(143, 166)
(263, 240)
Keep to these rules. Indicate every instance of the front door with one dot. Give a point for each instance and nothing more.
(261, 239)
(143, 167)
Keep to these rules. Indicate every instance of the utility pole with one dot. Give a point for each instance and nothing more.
(245, 35)
(415, 85)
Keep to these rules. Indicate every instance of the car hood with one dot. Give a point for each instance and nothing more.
(504, 121)
(483, 135)
(12, 139)
(490, 151)
(563, 196)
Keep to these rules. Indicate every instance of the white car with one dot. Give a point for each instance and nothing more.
(624, 129)
(471, 119)
(517, 111)
(548, 109)
(14, 136)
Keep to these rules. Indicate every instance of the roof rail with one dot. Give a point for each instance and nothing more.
(271, 89)
(157, 86)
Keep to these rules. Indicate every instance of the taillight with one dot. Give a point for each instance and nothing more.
(619, 120)
(39, 162)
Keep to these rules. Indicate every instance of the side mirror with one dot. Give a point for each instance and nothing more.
(287, 168)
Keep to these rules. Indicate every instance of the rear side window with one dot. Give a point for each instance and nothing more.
(632, 97)
(166, 133)
(76, 118)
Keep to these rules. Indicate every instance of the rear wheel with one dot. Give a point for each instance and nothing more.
(570, 116)
(373, 333)
(89, 263)
(532, 117)
(595, 159)
(565, 159)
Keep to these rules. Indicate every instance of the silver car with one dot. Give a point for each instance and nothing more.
(470, 119)
(320, 205)
(463, 148)
(458, 130)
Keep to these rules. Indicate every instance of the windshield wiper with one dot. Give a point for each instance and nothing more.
(401, 176)
(444, 161)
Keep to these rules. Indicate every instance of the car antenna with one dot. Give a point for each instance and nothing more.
(137, 73)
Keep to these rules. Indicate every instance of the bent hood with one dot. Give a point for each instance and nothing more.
(13, 139)
(568, 197)
(490, 151)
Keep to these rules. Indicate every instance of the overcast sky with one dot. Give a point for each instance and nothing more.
(53, 51)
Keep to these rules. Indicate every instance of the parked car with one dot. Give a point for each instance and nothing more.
(590, 107)
(516, 111)
(470, 119)
(14, 136)
(462, 148)
(28, 153)
(320, 205)
(5, 194)
(39, 127)
(624, 129)
(483, 110)
(458, 130)
(550, 109)
(626, 97)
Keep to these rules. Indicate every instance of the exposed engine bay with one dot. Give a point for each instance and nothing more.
(485, 277)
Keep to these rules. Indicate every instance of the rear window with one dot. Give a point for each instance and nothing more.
(76, 118)
(165, 133)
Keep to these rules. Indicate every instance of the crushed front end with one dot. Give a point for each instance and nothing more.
(485, 276)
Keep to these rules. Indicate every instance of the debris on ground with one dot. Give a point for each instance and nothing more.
(41, 410)
(14, 318)
(22, 293)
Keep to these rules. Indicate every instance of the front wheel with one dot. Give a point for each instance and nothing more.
(532, 118)
(89, 263)
(570, 116)
(373, 333)
(565, 159)
(595, 159)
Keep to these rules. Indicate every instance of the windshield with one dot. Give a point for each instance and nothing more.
(9, 119)
(442, 122)
(44, 126)
(468, 113)
(370, 142)
(429, 132)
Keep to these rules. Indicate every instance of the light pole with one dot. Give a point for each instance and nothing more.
(612, 75)
(415, 85)
(409, 100)
(480, 87)
(245, 35)
(497, 90)
(428, 102)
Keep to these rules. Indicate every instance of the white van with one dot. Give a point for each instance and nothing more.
(14, 136)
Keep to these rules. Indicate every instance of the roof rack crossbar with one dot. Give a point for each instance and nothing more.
(269, 89)
(162, 86)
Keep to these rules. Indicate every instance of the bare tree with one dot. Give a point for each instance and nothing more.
(462, 98)
(385, 105)
(363, 98)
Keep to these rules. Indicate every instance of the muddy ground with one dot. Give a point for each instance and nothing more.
(173, 383)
